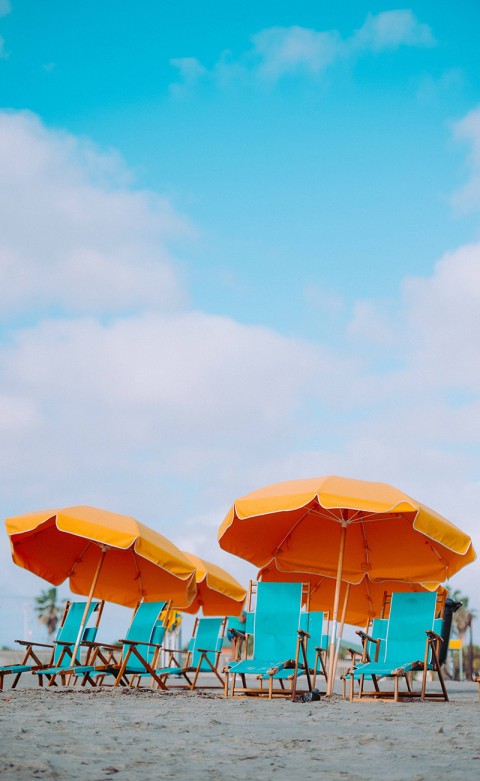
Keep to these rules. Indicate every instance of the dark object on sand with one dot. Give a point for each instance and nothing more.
(450, 608)
(311, 696)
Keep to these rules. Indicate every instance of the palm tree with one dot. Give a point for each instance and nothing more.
(48, 609)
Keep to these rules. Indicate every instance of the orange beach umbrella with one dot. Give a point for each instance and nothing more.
(218, 593)
(102, 554)
(344, 528)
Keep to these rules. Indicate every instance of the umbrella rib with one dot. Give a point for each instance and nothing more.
(138, 572)
(365, 547)
(444, 562)
(79, 559)
(289, 533)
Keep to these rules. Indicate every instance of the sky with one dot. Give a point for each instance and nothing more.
(239, 244)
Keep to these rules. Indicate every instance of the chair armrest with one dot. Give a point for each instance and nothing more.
(175, 651)
(364, 636)
(288, 665)
(141, 642)
(28, 642)
(433, 635)
(208, 651)
(301, 633)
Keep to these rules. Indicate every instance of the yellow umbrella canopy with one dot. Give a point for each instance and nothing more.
(300, 524)
(218, 593)
(103, 554)
(365, 600)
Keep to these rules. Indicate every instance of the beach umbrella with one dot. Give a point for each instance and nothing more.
(103, 555)
(344, 528)
(218, 593)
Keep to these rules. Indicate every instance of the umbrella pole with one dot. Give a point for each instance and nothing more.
(89, 602)
(342, 624)
(333, 637)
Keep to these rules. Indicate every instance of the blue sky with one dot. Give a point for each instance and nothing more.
(239, 245)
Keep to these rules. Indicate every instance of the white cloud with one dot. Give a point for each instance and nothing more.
(5, 7)
(284, 50)
(444, 321)
(390, 30)
(75, 238)
(190, 72)
(277, 52)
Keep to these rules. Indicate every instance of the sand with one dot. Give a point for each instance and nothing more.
(135, 734)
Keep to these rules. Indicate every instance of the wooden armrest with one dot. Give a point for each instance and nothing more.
(28, 642)
(364, 636)
(207, 651)
(302, 633)
(433, 635)
(141, 642)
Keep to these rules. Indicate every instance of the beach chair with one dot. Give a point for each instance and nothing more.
(312, 638)
(276, 641)
(411, 644)
(127, 661)
(373, 649)
(202, 655)
(62, 646)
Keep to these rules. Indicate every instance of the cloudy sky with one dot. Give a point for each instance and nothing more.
(239, 243)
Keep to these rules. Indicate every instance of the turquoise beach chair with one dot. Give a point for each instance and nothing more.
(202, 654)
(411, 644)
(311, 631)
(373, 649)
(128, 661)
(276, 621)
(61, 648)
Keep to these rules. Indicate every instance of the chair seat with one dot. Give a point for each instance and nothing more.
(169, 671)
(253, 667)
(16, 668)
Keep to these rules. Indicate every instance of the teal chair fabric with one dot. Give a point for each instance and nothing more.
(203, 652)
(407, 644)
(411, 615)
(316, 647)
(145, 633)
(276, 620)
(62, 647)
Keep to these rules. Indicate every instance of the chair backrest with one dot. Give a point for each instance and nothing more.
(208, 636)
(68, 632)
(411, 614)
(313, 624)
(250, 623)
(144, 628)
(276, 621)
(378, 631)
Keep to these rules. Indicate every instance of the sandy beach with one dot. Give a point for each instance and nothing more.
(135, 734)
